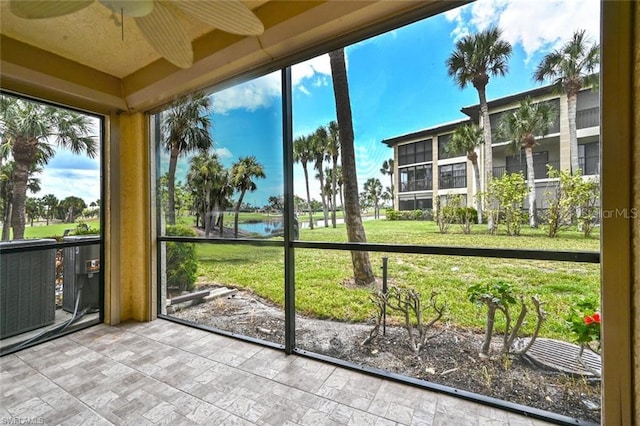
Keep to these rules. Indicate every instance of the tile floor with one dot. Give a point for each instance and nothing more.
(166, 373)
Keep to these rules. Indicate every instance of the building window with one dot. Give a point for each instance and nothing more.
(443, 140)
(416, 203)
(497, 117)
(518, 164)
(416, 178)
(453, 176)
(589, 158)
(417, 152)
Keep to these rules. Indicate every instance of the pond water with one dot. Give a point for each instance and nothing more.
(264, 228)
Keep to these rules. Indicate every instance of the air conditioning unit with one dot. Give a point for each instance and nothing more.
(27, 286)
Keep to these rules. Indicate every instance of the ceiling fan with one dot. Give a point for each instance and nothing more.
(157, 20)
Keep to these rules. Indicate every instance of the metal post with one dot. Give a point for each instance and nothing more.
(289, 231)
(384, 291)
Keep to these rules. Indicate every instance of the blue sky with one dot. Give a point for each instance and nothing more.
(398, 84)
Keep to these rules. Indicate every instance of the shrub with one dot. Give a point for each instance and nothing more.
(505, 201)
(182, 263)
(463, 216)
(499, 297)
(426, 214)
(407, 302)
(584, 322)
(84, 229)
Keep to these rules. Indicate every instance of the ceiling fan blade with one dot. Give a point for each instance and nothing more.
(231, 16)
(163, 31)
(39, 9)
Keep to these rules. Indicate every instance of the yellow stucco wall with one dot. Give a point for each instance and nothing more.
(134, 221)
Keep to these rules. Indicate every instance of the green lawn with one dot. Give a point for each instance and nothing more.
(41, 230)
(321, 274)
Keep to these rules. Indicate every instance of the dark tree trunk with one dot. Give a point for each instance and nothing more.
(24, 154)
(237, 215)
(488, 143)
(334, 182)
(171, 188)
(306, 181)
(6, 224)
(362, 272)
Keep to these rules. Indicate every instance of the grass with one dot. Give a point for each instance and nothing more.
(321, 274)
(52, 230)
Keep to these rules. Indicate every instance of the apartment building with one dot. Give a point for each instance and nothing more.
(424, 169)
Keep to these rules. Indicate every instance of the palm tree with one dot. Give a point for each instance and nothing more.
(476, 58)
(243, 172)
(222, 192)
(302, 154)
(362, 272)
(33, 209)
(327, 190)
(185, 129)
(521, 127)
(201, 178)
(467, 138)
(571, 68)
(31, 131)
(319, 141)
(373, 191)
(333, 153)
(387, 169)
(50, 202)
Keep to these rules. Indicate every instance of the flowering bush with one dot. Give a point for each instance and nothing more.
(584, 321)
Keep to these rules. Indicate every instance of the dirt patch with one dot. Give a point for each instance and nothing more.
(450, 359)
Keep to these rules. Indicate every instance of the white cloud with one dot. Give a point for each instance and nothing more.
(252, 95)
(315, 72)
(64, 183)
(538, 26)
(321, 81)
(319, 65)
(304, 89)
(223, 153)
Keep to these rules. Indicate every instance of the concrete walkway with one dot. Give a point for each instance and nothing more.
(165, 373)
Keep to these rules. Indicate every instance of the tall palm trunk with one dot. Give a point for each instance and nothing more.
(334, 182)
(171, 188)
(237, 214)
(473, 157)
(18, 215)
(392, 188)
(572, 98)
(362, 272)
(488, 150)
(323, 198)
(6, 228)
(531, 177)
(208, 213)
(24, 152)
(306, 181)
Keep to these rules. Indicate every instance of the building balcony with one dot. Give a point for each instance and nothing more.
(589, 165)
(417, 185)
(588, 118)
(539, 170)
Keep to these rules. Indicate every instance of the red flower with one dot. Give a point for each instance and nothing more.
(592, 319)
